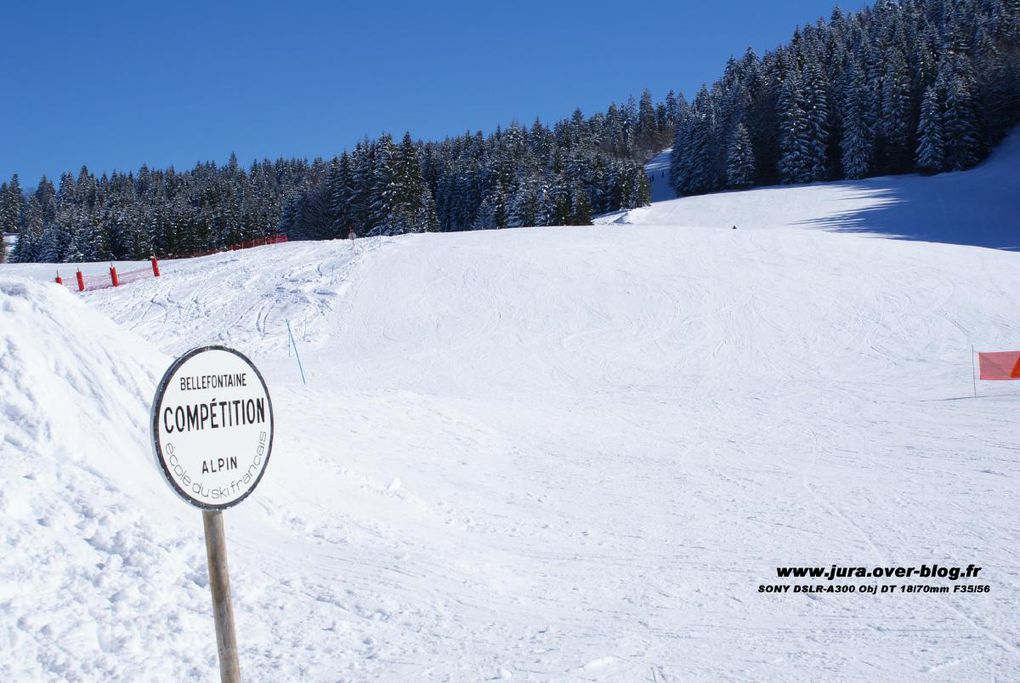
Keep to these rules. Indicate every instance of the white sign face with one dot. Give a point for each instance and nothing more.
(212, 427)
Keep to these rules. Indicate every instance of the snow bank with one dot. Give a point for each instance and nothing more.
(68, 371)
(91, 568)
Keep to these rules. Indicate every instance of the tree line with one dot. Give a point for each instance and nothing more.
(516, 176)
(917, 85)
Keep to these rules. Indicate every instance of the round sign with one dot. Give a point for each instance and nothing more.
(212, 427)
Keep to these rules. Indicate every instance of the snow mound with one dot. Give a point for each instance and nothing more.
(68, 372)
(85, 551)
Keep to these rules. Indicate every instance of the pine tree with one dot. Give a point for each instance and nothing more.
(740, 160)
(40, 213)
(642, 195)
(931, 156)
(695, 148)
(856, 144)
(793, 137)
(362, 161)
(12, 202)
(647, 122)
(8, 221)
(28, 248)
(426, 219)
(959, 119)
(340, 196)
(816, 121)
(500, 209)
(680, 160)
(527, 204)
(558, 202)
(410, 203)
(581, 213)
(672, 104)
(382, 187)
(897, 113)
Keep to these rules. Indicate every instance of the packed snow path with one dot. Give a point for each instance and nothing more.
(657, 170)
(539, 454)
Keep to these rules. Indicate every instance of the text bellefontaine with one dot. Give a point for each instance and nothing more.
(237, 379)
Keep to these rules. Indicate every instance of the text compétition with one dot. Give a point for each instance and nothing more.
(214, 414)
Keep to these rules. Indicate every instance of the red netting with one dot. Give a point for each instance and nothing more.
(1000, 364)
(259, 242)
(135, 275)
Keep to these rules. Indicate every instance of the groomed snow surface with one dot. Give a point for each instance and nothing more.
(539, 454)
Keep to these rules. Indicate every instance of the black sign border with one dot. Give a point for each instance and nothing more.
(158, 401)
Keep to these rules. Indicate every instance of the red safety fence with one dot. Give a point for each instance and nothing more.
(258, 242)
(114, 279)
(999, 364)
(83, 282)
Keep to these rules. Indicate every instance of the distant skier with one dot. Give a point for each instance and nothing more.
(734, 227)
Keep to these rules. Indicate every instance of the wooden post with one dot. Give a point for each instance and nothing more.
(219, 585)
(973, 371)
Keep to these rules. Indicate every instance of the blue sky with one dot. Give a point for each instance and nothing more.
(116, 85)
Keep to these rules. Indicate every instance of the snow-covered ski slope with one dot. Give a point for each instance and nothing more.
(536, 454)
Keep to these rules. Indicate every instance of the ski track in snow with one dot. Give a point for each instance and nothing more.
(537, 454)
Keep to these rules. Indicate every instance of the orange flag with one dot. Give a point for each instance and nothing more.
(1000, 365)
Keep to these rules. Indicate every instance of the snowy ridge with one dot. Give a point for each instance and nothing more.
(538, 454)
